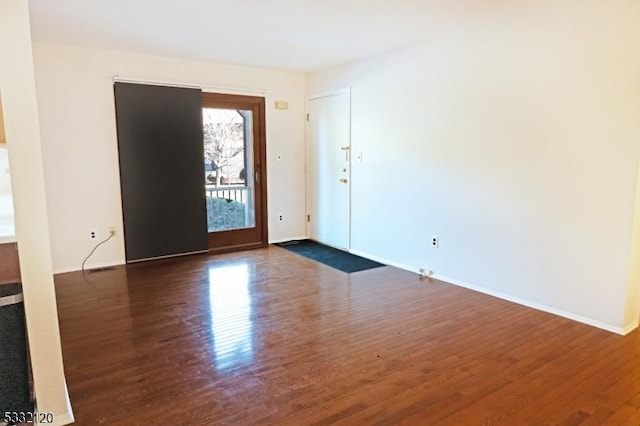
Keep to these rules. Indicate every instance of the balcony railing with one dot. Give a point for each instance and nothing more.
(234, 192)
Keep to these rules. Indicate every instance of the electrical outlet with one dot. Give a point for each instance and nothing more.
(281, 217)
(112, 231)
(93, 234)
(435, 241)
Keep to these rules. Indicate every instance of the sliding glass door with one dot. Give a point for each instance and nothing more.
(235, 187)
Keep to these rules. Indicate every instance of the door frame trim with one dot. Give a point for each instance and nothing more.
(319, 95)
(260, 142)
(329, 93)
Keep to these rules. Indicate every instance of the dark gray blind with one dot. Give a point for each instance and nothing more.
(161, 151)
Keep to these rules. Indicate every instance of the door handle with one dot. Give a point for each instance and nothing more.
(258, 175)
(343, 180)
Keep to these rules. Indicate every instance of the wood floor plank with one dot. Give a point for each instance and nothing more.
(270, 337)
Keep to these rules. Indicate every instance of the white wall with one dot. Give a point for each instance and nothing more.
(515, 138)
(6, 200)
(17, 85)
(632, 308)
(75, 100)
(5, 178)
(7, 229)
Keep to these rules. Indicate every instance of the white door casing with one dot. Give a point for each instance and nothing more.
(329, 168)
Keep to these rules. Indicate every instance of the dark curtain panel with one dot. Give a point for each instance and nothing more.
(161, 150)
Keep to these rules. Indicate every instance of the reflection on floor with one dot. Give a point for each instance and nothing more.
(231, 315)
(270, 337)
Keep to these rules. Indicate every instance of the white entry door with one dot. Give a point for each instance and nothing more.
(329, 168)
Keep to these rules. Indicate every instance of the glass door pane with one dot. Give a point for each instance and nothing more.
(229, 169)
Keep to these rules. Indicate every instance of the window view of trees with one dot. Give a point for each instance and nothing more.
(224, 163)
(223, 146)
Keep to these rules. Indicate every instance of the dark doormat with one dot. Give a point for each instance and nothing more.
(346, 262)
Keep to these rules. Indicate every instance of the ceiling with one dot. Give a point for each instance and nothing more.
(300, 35)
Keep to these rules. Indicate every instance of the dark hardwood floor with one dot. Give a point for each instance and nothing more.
(269, 337)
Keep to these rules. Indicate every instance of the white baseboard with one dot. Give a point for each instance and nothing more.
(585, 320)
(107, 264)
(534, 305)
(88, 267)
(630, 327)
(589, 321)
